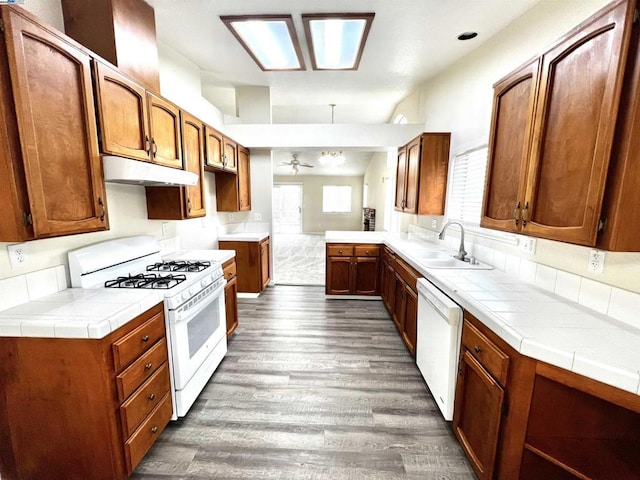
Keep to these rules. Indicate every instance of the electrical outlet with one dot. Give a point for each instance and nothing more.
(231, 217)
(257, 216)
(17, 254)
(434, 223)
(529, 245)
(596, 261)
(164, 228)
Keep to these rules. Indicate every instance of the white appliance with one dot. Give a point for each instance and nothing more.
(438, 344)
(193, 303)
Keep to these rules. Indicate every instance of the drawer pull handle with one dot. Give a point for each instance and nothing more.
(477, 349)
(154, 429)
(145, 338)
(148, 366)
(152, 396)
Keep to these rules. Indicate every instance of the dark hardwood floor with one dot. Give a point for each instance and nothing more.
(311, 389)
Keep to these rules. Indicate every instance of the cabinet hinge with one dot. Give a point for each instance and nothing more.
(602, 225)
(27, 219)
(2, 24)
(636, 16)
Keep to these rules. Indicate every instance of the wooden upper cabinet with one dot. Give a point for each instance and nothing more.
(233, 192)
(50, 174)
(562, 141)
(513, 104)
(231, 153)
(421, 174)
(122, 106)
(574, 127)
(193, 146)
(120, 31)
(164, 123)
(214, 153)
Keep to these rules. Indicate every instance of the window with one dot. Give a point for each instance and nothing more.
(467, 186)
(336, 199)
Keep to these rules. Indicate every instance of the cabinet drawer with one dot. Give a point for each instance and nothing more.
(367, 251)
(136, 408)
(131, 346)
(141, 369)
(137, 446)
(492, 359)
(340, 250)
(230, 270)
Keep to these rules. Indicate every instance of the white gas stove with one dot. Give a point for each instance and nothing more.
(193, 298)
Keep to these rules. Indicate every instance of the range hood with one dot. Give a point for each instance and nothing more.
(134, 172)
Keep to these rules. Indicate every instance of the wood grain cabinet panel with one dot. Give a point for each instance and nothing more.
(50, 173)
(561, 139)
(253, 260)
(60, 412)
(421, 174)
(233, 191)
(229, 270)
(352, 269)
(164, 126)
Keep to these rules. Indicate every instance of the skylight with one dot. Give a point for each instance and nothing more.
(336, 41)
(270, 40)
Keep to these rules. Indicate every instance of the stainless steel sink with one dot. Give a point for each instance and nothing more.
(450, 262)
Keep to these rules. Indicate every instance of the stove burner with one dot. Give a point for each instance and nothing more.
(149, 280)
(178, 266)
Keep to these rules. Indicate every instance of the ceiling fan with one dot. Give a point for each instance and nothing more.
(295, 163)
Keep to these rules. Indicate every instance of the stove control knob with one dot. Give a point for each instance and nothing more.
(185, 296)
(193, 289)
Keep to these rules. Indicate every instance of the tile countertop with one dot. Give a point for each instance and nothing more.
(77, 313)
(535, 322)
(243, 237)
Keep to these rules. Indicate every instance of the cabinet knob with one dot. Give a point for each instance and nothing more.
(339, 251)
(148, 366)
(145, 338)
(367, 252)
(103, 210)
(154, 429)
(152, 396)
(477, 349)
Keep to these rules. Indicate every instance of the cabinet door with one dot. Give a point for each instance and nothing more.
(409, 333)
(164, 124)
(339, 275)
(214, 155)
(510, 140)
(244, 179)
(387, 278)
(477, 413)
(412, 174)
(193, 148)
(122, 106)
(401, 178)
(264, 263)
(574, 124)
(399, 304)
(231, 305)
(366, 276)
(230, 158)
(57, 127)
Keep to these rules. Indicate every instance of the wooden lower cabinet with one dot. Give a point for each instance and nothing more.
(83, 408)
(353, 269)
(231, 295)
(253, 262)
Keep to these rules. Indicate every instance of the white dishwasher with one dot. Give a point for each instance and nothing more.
(438, 343)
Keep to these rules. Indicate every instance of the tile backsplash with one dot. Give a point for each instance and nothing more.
(31, 286)
(616, 303)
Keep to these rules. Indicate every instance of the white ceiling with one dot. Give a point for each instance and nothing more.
(355, 165)
(409, 42)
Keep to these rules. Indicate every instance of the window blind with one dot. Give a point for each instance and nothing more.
(467, 186)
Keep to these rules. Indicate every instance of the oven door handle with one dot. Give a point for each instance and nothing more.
(177, 316)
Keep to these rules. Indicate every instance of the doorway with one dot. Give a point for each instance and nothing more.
(287, 208)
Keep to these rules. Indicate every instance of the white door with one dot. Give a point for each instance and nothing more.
(287, 208)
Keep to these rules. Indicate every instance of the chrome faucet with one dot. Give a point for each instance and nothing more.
(462, 253)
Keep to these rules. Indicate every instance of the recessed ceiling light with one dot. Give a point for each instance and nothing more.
(271, 40)
(336, 40)
(467, 35)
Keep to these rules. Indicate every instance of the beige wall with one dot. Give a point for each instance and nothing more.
(460, 100)
(376, 177)
(313, 220)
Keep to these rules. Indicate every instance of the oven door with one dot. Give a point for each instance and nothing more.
(196, 327)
